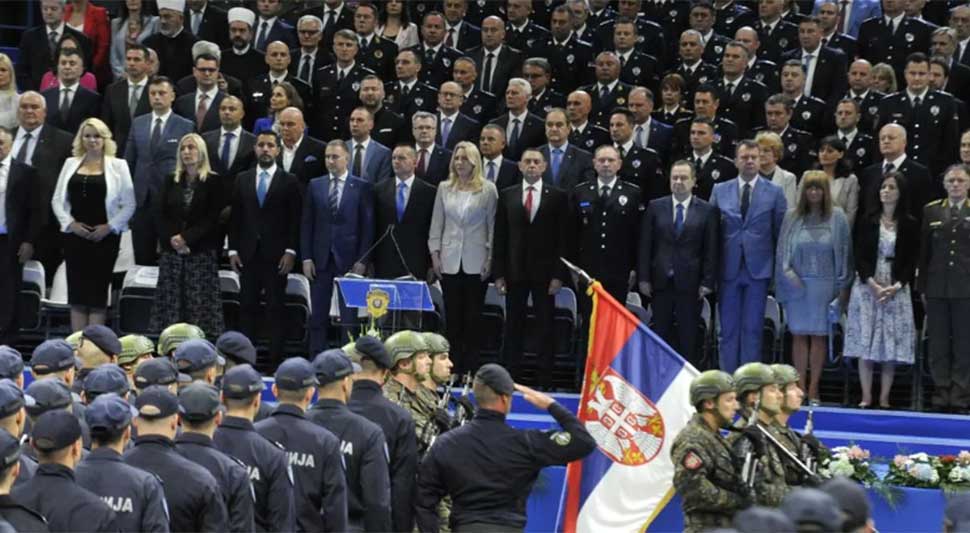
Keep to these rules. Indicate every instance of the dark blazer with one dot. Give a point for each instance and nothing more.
(435, 70)
(411, 232)
(35, 55)
(174, 54)
(745, 106)
(464, 128)
(530, 251)
(199, 222)
(831, 65)
(281, 31)
(576, 167)
(115, 112)
(214, 26)
(234, 86)
(692, 255)
(245, 157)
(390, 129)
(260, 89)
(507, 65)
(920, 187)
(933, 134)
(334, 241)
(150, 164)
(603, 107)
(878, 44)
(469, 36)
(308, 160)
(865, 241)
(243, 67)
(508, 173)
(270, 229)
(437, 165)
(52, 150)
(24, 204)
(185, 106)
(660, 138)
(958, 83)
(84, 105)
(844, 42)
(531, 134)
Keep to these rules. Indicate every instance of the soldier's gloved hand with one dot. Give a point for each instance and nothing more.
(442, 419)
(466, 405)
(757, 440)
(813, 443)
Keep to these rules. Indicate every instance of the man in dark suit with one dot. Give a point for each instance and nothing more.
(376, 53)
(860, 146)
(608, 92)
(809, 114)
(37, 45)
(825, 67)
(499, 170)
(117, 111)
(433, 162)
(337, 87)
(833, 36)
(299, 153)
(584, 134)
(308, 57)
(242, 60)
(270, 27)
(960, 21)
(496, 61)
(742, 98)
(23, 216)
(453, 125)
(568, 165)
(336, 230)
(569, 57)
(336, 15)
(641, 166)
(435, 55)
(369, 159)
(207, 22)
(757, 69)
(647, 132)
(710, 167)
(523, 129)
(259, 90)
(531, 231)
(478, 104)
(173, 44)
(777, 36)
(69, 103)
(390, 129)
(408, 95)
(230, 147)
(860, 90)
(678, 259)
(459, 33)
(892, 37)
(943, 46)
(921, 189)
(202, 106)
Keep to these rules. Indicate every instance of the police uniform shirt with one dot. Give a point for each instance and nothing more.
(269, 472)
(608, 233)
(136, 497)
(28, 467)
(859, 148)
(809, 114)
(193, 496)
(230, 473)
(67, 506)
(932, 128)
(319, 485)
(20, 517)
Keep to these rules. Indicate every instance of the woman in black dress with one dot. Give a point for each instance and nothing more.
(187, 218)
(93, 201)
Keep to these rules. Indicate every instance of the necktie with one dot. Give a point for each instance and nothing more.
(809, 75)
(528, 202)
(514, 136)
(201, 111)
(843, 15)
(330, 17)
(196, 22)
(226, 149)
(639, 137)
(340, 75)
(53, 42)
(421, 162)
(887, 168)
(305, 68)
(364, 45)
(745, 200)
(622, 61)
(451, 38)
(954, 212)
(334, 196)
(487, 73)
(604, 92)
(825, 42)
(261, 39)
(604, 194)
(556, 162)
(729, 89)
(156, 132)
(698, 163)
(405, 91)
(917, 102)
(679, 220)
(261, 187)
(65, 104)
(358, 159)
(445, 131)
(22, 153)
(491, 171)
(133, 101)
(622, 151)
(401, 203)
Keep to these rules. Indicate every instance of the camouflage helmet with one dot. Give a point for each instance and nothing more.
(437, 343)
(709, 385)
(784, 374)
(176, 334)
(404, 344)
(133, 347)
(74, 339)
(752, 377)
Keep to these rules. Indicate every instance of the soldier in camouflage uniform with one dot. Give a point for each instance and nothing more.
(756, 385)
(411, 363)
(705, 470)
(176, 334)
(439, 375)
(806, 448)
(134, 350)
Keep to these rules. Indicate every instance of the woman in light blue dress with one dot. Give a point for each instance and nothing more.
(813, 267)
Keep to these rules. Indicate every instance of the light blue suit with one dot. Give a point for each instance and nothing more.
(747, 266)
(376, 166)
(859, 10)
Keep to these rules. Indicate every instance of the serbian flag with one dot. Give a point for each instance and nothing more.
(635, 400)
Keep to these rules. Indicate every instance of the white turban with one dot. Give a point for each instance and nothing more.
(241, 14)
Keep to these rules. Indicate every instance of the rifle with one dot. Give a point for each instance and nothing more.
(806, 449)
(431, 430)
(461, 416)
(752, 463)
(786, 452)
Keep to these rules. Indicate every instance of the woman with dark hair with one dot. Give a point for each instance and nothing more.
(284, 95)
(671, 109)
(845, 184)
(136, 21)
(396, 25)
(880, 326)
(88, 80)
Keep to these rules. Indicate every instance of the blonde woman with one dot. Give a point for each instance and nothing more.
(813, 266)
(93, 201)
(883, 78)
(186, 213)
(9, 99)
(772, 150)
(460, 242)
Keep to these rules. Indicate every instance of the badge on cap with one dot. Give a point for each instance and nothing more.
(561, 438)
(745, 97)
(570, 58)
(692, 461)
(935, 110)
(622, 199)
(806, 115)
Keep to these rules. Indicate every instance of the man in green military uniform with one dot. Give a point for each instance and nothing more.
(176, 334)
(805, 448)
(411, 364)
(134, 350)
(440, 374)
(760, 398)
(705, 471)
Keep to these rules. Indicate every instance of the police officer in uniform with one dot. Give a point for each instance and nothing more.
(362, 442)
(336, 88)
(53, 492)
(200, 412)
(159, 371)
(760, 397)
(367, 399)
(19, 516)
(806, 447)
(170, 337)
(193, 495)
(464, 462)
(944, 282)
(13, 419)
(237, 349)
(269, 469)
(320, 488)
(410, 364)
(705, 471)
(136, 496)
(52, 395)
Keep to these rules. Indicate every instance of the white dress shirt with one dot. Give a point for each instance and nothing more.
(685, 203)
(408, 184)
(156, 116)
(210, 96)
(21, 137)
(290, 153)
(741, 183)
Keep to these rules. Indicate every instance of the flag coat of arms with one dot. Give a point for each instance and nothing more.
(635, 400)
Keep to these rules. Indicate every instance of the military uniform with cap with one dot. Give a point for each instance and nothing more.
(53, 492)
(363, 446)
(160, 371)
(269, 468)
(320, 488)
(193, 495)
(488, 467)
(136, 496)
(22, 518)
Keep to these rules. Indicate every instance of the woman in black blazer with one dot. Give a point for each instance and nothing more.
(187, 219)
(880, 326)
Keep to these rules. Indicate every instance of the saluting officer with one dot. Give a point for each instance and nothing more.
(20, 517)
(362, 441)
(705, 471)
(200, 412)
(269, 469)
(487, 467)
(320, 488)
(367, 399)
(136, 496)
(944, 282)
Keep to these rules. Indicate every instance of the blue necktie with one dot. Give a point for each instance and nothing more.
(402, 189)
(261, 187)
(334, 195)
(226, 148)
(679, 220)
(491, 171)
(445, 131)
(556, 161)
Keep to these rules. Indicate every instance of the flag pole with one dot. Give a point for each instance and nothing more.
(578, 271)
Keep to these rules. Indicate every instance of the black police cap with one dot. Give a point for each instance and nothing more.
(158, 371)
(12, 398)
(48, 395)
(199, 402)
(496, 377)
(109, 413)
(371, 347)
(106, 378)
(236, 347)
(52, 356)
(55, 430)
(9, 449)
(295, 373)
(332, 365)
(102, 337)
(156, 402)
(11, 362)
(241, 382)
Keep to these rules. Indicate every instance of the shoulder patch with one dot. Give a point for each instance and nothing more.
(692, 461)
(562, 438)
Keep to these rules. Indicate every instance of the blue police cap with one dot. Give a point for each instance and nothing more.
(757, 519)
(241, 382)
(9, 449)
(236, 347)
(805, 506)
(296, 373)
(332, 365)
(55, 430)
(11, 362)
(52, 356)
(103, 338)
(156, 402)
(496, 377)
(106, 378)
(12, 398)
(158, 371)
(372, 348)
(852, 499)
(199, 402)
(48, 395)
(196, 354)
(109, 413)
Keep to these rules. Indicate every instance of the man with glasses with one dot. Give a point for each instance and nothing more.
(202, 106)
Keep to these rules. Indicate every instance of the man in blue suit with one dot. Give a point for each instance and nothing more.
(369, 159)
(858, 11)
(336, 231)
(151, 152)
(752, 210)
(647, 132)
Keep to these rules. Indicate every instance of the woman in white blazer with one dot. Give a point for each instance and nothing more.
(93, 201)
(460, 242)
(772, 150)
